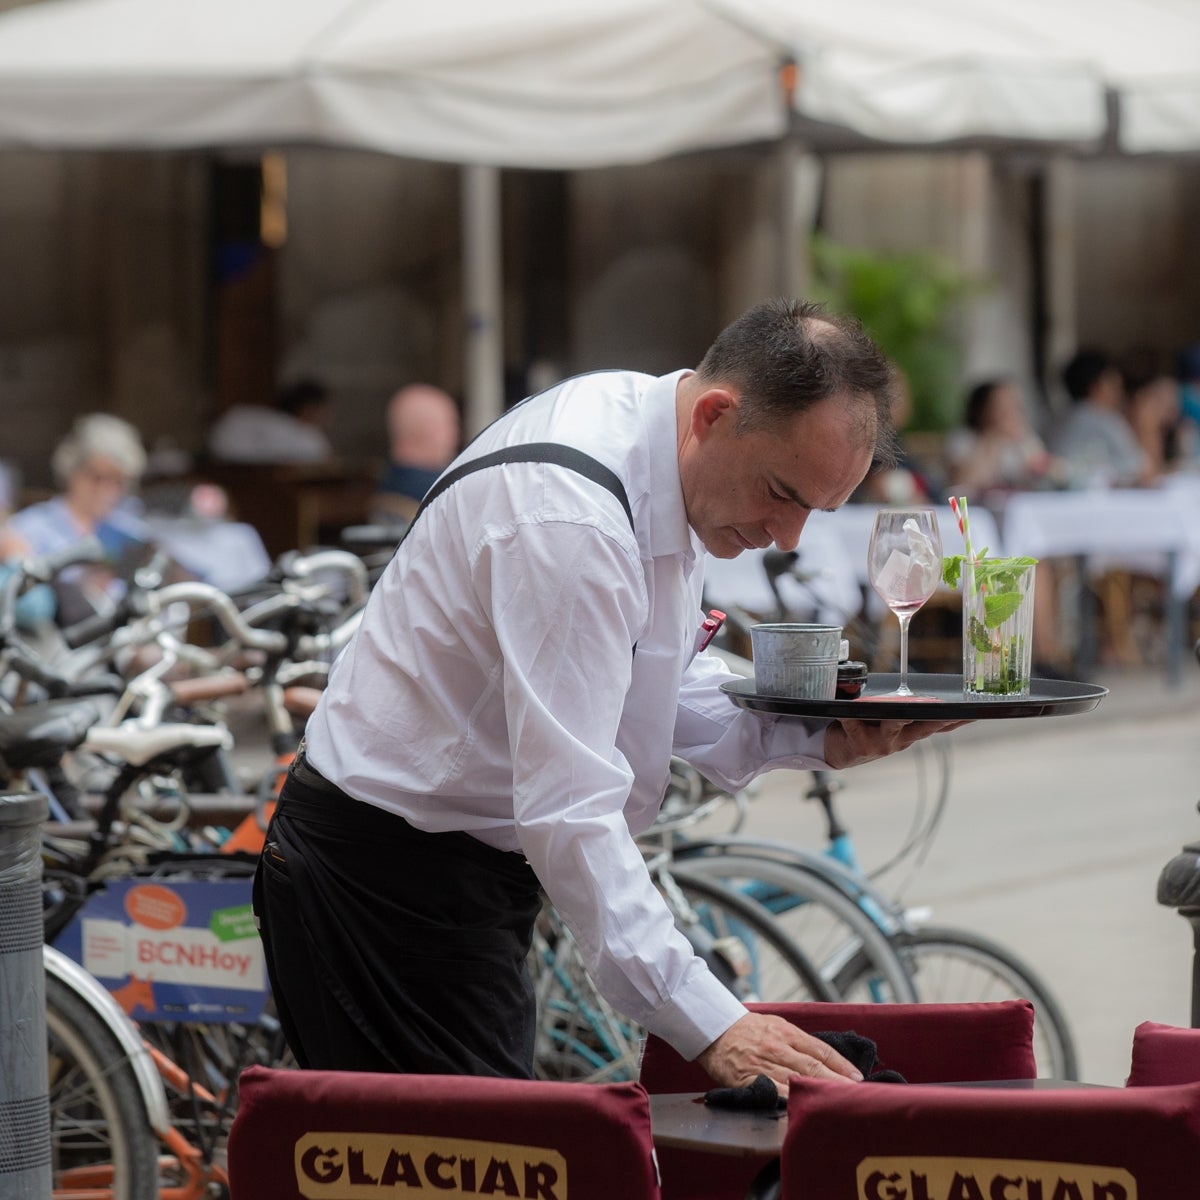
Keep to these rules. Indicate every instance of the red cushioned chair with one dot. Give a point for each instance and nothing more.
(332, 1133)
(1164, 1054)
(1111, 1143)
(926, 1043)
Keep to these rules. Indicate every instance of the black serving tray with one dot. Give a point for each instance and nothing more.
(938, 698)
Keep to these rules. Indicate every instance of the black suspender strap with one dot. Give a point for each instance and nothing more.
(547, 452)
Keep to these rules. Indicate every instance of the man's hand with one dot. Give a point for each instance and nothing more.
(848, 743)
(762, 1044)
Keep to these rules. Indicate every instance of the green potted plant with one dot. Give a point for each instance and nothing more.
(906, 301)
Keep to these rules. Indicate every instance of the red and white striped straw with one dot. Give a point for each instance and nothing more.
(958, 506)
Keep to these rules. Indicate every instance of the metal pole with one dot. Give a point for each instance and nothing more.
(482, 296)
(1179, 888)
(24, 1083)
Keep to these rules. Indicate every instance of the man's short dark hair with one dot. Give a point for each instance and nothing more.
(1080, 374)
(785, 356)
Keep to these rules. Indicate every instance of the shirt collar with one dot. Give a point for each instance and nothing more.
(669, 532)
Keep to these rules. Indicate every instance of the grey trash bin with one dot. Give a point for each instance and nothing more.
(24, 1086)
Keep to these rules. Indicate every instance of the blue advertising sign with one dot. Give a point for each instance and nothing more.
(173, 951)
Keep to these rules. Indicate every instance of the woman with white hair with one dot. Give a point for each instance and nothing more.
(96, 465)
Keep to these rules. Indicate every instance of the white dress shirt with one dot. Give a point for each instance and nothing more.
(493, 686)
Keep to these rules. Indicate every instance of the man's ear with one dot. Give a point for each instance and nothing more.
(714, 404)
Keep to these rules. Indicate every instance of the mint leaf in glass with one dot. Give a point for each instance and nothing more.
(998, 607)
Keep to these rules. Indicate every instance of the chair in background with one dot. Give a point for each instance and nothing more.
(1164, 1054)
(1115, 1143)
(926, 1043)
(312, 1133)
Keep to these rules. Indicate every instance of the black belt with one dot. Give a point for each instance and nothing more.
(308, 775)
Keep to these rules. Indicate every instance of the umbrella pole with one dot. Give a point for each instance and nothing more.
(484, 376)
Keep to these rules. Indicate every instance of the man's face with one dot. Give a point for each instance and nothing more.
(749, 491)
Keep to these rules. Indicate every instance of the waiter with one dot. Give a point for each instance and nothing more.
(504, 719)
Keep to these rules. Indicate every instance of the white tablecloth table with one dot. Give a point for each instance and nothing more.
(1148, 530)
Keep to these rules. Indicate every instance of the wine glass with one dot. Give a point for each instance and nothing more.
(904, 565)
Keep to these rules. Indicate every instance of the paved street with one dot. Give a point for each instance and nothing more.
(1052, 843)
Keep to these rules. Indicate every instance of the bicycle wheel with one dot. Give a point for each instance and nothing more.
(202, 1063)
(580, 1037)
(953, 966)
(100, 1136)
(830, 927)
(743, 943)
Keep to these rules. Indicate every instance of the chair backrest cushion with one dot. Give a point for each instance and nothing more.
(1164, 1054)
(926, 1043)
(861, 1141)
(340, 1135)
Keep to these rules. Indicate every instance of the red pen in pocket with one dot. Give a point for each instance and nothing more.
(708, 629)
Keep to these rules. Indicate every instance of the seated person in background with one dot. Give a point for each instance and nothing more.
(1153, 409)
(294, 431)
(96, 465)
(1094, 438)
(424, 431)
(996, 449)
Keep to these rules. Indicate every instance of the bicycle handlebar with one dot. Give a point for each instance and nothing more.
(92, 629)
(295, 565)
(57, 686)
(206, 596)
(43, 568)
(317, 645)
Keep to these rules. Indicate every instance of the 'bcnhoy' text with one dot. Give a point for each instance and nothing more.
(176, 954)
(954, 1178)
(366, 1166)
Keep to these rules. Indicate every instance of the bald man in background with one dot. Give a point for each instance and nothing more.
(424, 433)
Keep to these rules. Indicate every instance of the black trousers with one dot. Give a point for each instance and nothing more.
(392, 949)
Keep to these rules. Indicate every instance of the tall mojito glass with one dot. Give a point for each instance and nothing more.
(997, 624)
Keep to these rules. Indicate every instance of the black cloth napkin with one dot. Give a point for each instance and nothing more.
(763, 1096)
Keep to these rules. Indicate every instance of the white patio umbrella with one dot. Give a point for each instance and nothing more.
(524, 83)
(928, 71)
(544, 83)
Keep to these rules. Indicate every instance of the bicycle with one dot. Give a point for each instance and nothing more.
(121, 1095)
(582, 1038)
(943, 964)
